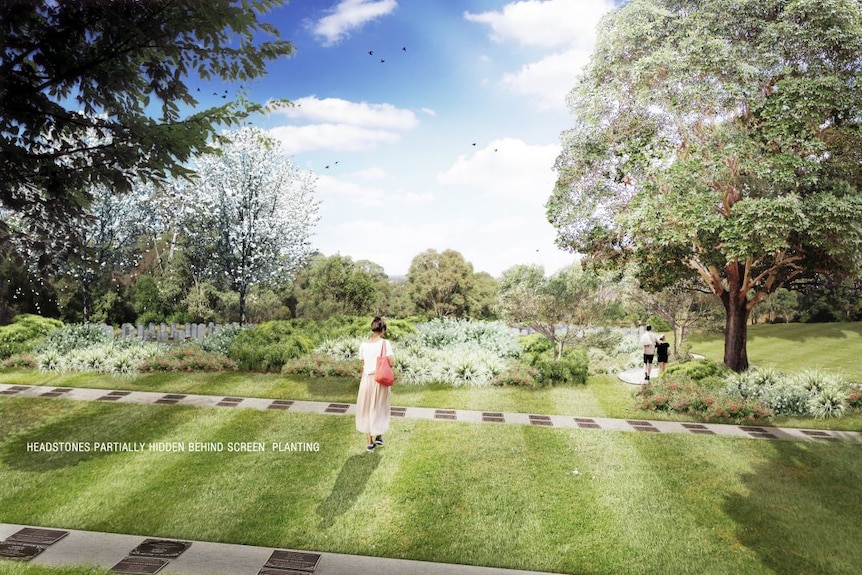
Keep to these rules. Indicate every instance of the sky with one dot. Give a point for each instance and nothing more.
(430, 124)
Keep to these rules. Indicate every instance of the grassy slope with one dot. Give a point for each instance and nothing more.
(794, 347)
(494, 495)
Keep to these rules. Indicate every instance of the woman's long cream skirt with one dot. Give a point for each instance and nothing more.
(372, 406)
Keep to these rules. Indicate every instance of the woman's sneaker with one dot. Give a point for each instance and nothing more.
(378, 440)
(370, 448)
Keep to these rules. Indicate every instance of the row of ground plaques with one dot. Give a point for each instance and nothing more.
(29, 542)
(290, 563)
(150, 556)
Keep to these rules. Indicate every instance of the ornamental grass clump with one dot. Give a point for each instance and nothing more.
(118, 358)
(74, 336)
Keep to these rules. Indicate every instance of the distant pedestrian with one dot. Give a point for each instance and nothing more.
(372, 403)
(662, 350)
(648, 340)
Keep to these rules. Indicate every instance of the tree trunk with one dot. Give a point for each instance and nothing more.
(735, 330)
(242, 292)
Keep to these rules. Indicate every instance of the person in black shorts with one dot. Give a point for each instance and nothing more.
(662, 349)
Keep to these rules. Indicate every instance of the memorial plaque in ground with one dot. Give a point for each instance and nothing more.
(37, 536)
(19, 551)
(139, 565)
(164, 548)
(305, 562)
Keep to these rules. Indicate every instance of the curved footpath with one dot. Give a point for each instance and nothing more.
(138, 554)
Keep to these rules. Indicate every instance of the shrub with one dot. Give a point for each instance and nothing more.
(343, 348)
(319, 365)
(494, 336)
(74, 336)
(25, 331)
(699, 369)
(569, 369)
(268, 346)
(186, 358)
(854, 396)
(122, 357)
(220, 341)
(535, 343)
(20, 361)
(517, 374)
(737, 411)
(830, 401)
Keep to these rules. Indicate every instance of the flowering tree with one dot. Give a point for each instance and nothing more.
(719, 140)
(251, 213)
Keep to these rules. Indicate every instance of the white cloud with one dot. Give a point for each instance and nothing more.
(550, 79)
(349, 15)
(337, 137)
(565, 26)
(338, 111)
(339, 189)
(507, 168)
(547, 24)
(373, 173)
(341, 125)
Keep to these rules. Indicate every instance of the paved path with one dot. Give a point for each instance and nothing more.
(123, 553)
(326, 408)
(138, 554)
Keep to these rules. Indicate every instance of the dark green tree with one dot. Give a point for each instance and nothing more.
(95, 92)
(441, 283)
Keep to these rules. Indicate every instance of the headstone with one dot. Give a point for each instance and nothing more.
(292, 560)
(163, 548)
(139, 565)
(19, 551)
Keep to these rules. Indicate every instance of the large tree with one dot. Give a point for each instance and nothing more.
(719, 139)
(119, 69)
(441, 283)
(252, 214)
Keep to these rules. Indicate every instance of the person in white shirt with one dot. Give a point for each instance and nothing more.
(648, 340)
(372, 402)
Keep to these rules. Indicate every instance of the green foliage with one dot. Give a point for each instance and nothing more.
(25, 331)
(680, 394)
(517, 374)
(605, 339)
(80, 68)
(658, 324)
(220, 341)
(535, 344)
(321, 365)
(116, 358)
(698, 369)
(74, 336)
(570, 369)
(268, 346)
(441, 284)
(188, 359)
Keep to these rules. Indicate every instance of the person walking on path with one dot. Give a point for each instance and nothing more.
(662, 351)
(373, 402)
(648, 340)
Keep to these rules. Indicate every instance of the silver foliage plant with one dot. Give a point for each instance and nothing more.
(813, 392)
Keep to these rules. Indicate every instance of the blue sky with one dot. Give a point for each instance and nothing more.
(450, 142)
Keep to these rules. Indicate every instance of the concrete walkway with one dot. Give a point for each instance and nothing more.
(430, 413)
(138, 554)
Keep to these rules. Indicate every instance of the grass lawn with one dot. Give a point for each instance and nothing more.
(794, 347)
(495, 495)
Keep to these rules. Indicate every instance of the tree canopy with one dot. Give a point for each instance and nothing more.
(722, 140)
(95, 92)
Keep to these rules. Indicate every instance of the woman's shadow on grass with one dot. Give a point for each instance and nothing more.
(349, 485)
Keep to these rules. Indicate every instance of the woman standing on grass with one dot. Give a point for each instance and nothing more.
(372, 404)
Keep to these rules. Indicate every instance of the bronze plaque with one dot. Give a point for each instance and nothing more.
(51, 394)
(62, 389)
(636, 422)
(336, 408)
(139, 565)
(174, 396)
(271, 571)
(750, 429)
(584, 420)
(37, 536)
(160, 548)
(541, 420)
(815, 433)
(226, 403)
(702, 431)
(398, 411)
(280, 404)
(763, 435)
(645, 428)
(305, 562)
(19, 551)
(492, 417)
(445, 414)
(19, 388)
(693, 426)
(120, 393)
(584, 425)
(110, 397)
